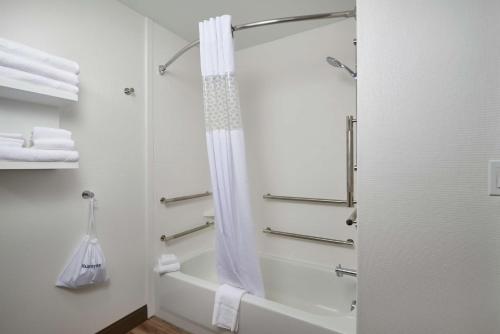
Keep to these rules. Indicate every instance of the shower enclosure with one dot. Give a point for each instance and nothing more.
(306, 226)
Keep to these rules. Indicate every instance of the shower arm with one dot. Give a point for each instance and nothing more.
(343, 14)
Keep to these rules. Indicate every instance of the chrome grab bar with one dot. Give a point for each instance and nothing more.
(350, 120)
(348, 242)
(183, 198)
(186, 232)
(344, 271)
(350, 167)
(307, 199)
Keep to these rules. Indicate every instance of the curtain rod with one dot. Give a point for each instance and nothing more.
(345, 14)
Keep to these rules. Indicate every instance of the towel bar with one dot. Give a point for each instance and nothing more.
(348, 242)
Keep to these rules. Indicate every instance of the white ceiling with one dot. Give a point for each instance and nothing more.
(182, 16)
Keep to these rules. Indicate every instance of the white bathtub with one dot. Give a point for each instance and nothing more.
(300, 298)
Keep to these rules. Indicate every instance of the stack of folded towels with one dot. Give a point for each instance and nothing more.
(167, 263)
(48, 145)
(52, 139)
(12, 140)
(24, 63)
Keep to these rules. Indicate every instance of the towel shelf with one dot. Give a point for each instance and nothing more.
(165, 200)
(348, 242)
(186, 232)
(25, 91)
(4, 164)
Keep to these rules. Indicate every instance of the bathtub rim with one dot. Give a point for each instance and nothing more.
(310, 265)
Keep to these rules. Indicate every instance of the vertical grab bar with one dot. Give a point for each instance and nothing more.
(350, 120)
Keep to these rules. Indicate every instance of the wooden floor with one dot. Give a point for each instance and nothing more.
(155, 325)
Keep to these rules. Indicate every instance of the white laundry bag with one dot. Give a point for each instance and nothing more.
(87, 265)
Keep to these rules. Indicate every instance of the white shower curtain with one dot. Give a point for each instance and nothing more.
(236, 255)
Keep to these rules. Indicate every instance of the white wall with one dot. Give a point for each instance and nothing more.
(429, 116)
(178, 156)
(294, 106)
(42, 214)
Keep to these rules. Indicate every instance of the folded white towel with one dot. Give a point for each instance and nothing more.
(54, 144)
(35, 67)
(14, 135)
(36, 79)
(30, 154)
(50, 133)
(168, 259)
(167, 268)
(11, 142)
(226, 307)
(38, 55)
(167, 263)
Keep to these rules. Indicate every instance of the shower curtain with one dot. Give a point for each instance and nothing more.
(236, 255)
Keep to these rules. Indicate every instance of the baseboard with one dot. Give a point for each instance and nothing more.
(127, 323)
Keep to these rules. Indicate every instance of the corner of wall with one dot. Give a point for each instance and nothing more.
(149, 149)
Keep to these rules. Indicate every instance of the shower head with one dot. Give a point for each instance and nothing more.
(336, 63)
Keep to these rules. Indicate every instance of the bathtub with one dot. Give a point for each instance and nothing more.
(300, 298)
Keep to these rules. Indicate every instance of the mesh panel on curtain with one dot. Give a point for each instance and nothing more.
(236, 255)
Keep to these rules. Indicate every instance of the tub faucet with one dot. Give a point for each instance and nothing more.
(352, 218)
(353, 305)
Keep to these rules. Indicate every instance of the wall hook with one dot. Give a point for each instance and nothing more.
(87, 194)
(129, 91)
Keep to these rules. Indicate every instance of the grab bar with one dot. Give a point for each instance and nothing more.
(350, 120)
(183, 198)
(348, 242)
(344, 271)
(186, 232)
(307, 199)
(350, 168)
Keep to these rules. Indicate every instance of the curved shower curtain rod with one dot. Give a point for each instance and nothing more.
(345, 14)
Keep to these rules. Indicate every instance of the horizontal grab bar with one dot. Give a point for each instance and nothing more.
(344, 271)
(183, 198)
(348, 242)
(186, 232)
(341, 202)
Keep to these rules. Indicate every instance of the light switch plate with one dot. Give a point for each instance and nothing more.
(494, 178)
